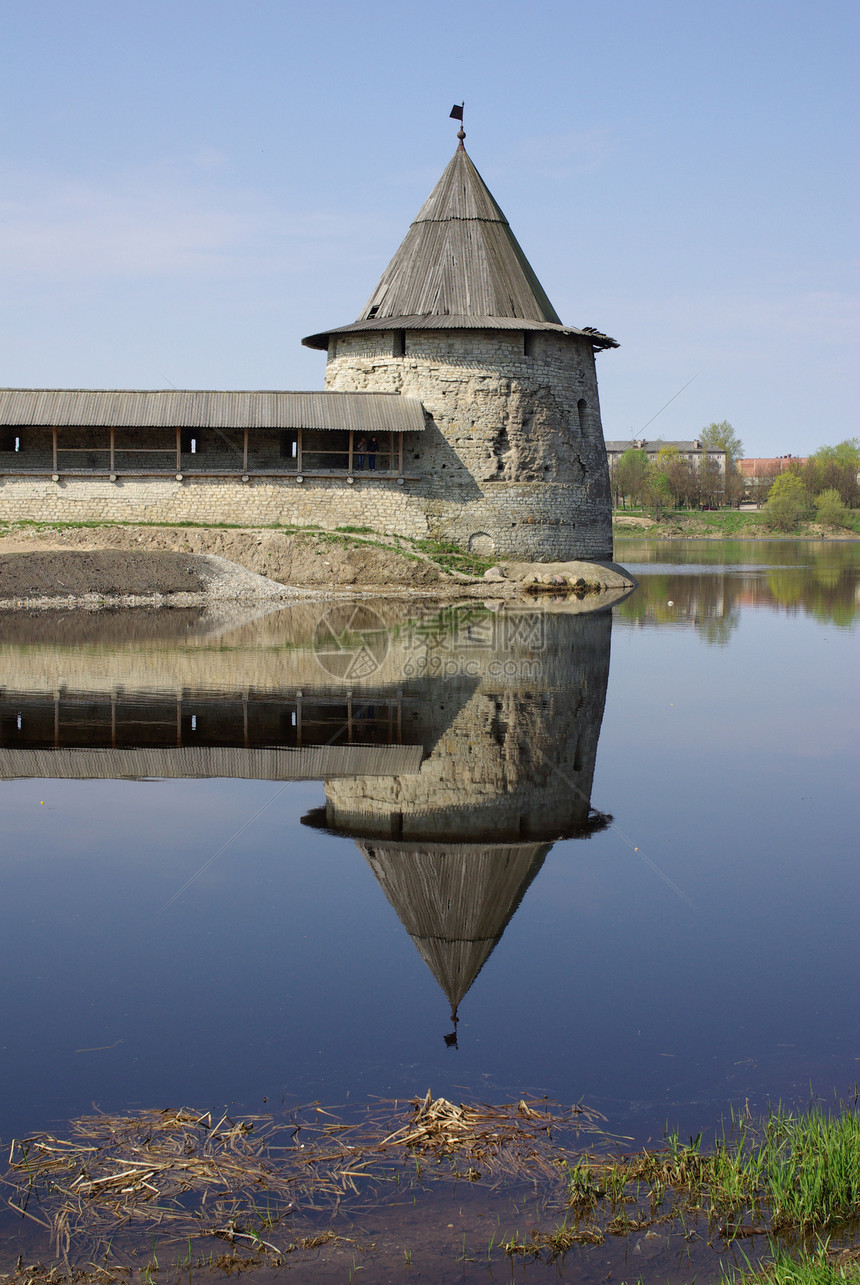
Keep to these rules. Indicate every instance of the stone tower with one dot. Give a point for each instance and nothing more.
(513, 461)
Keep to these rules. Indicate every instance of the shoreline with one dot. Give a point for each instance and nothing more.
(115, 567)
(743, 525)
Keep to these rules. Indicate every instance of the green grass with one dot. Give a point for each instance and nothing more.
(450, 557)
(792, 1175)
(812, 1268)
(727, 523)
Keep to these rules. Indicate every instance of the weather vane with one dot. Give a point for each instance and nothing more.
(457, 114)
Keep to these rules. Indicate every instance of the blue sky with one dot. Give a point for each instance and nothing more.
(188, 188)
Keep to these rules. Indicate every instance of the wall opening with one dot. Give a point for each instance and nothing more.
(482, 543)
(581, 408)
(398, 348)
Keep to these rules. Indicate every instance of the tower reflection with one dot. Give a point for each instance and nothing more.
(456, 745)
(456, 844)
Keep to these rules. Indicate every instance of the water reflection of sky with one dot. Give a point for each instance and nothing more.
(287, 968)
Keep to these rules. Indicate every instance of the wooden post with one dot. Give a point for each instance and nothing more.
(54, 445)
(178, 449)
(245, 450)
(298, 450)
(351, 436)
(112, 450)
(400, 455)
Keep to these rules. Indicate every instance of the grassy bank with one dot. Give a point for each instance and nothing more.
(374, 557)
(818, 1267)
(723, 524)
(792, 1180)
(791, 1176)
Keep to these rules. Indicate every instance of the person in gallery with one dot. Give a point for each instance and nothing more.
(372, 449)
(361, 451)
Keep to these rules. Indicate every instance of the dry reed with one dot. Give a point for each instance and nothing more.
(179, 1175)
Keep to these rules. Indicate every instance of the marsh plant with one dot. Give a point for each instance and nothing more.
(790, 1177)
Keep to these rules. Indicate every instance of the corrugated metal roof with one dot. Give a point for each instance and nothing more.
(312, 763)
(201, 408)
(459, 260)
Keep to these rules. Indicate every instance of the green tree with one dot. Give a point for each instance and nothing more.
(787, 502)
(722, 437)
(711, 483)
(831, 510)
(835, 468)
(630, 476)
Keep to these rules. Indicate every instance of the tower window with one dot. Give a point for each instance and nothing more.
(529, 343)
(398, 348)
(9, 441)
(188, 441)
(289, 444)
(581, 408)
(373, 311)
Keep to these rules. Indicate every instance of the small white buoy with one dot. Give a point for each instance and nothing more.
(670, 603)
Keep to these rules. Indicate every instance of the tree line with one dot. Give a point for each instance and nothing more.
(824, 487)
(673, 481)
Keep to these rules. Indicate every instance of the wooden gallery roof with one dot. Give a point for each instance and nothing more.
(199, 408)
(459, 267)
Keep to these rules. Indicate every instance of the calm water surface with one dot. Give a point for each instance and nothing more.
(607, 856)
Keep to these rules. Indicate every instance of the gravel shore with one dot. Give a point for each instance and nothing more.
(134, 578)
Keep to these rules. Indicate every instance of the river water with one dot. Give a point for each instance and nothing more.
(348, 852)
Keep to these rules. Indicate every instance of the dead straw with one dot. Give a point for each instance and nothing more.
(178, 1172)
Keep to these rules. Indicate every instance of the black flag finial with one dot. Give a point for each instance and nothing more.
(457, 114)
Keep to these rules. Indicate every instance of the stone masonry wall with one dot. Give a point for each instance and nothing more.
(512, 463)
(513, 460)
(380, 504)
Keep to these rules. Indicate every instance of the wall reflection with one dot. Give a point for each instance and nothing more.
(456, 745)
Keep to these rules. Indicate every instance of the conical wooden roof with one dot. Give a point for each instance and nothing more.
(455, 899)
(459, 267)
(460, 258)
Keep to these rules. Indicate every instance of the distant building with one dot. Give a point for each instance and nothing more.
(756, 470)
(693, 451)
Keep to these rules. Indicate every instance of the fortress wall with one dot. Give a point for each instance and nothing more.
(379, 504)
(513, 461)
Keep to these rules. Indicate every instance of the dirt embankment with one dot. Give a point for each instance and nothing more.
(108, 572)
(304, 560)
(136, 566)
